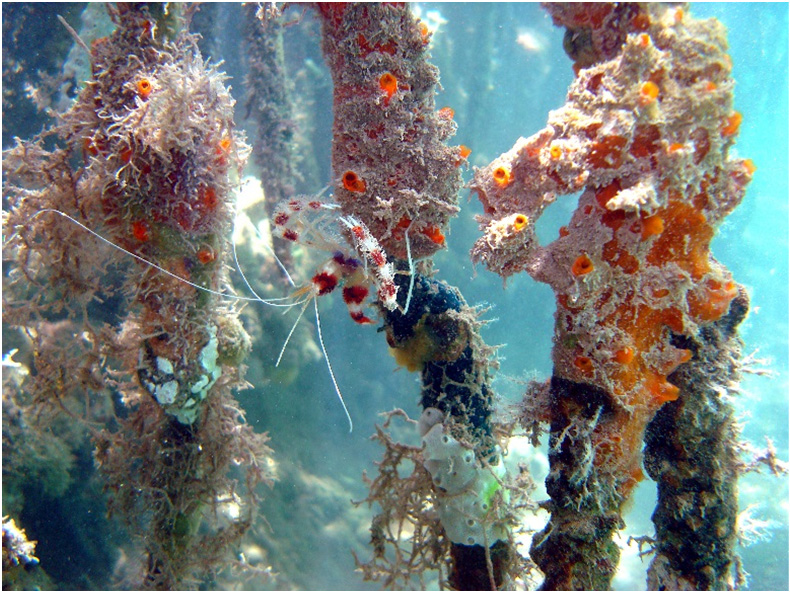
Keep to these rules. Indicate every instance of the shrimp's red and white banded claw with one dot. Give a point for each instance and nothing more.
(308, 222)
(354, 296)
(311, 222)
(337, 271)
(383, 272)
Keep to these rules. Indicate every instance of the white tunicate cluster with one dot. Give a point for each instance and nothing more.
(187, 412)
(166, 393)
(182, 403)
(468, 487)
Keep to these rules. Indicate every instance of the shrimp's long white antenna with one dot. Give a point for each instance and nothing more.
(276, 258)
(236, 261)
(291, 332)
(411, 271)
(282, 267)
(270, 301)
(154, 265)
(329, 365)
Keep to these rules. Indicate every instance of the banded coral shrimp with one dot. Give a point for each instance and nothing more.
(316, 224)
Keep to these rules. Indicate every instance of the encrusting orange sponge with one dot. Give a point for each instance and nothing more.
(582, 265)
(144, 88)
(389, 85)
(502, 176)
(353, 183)
(632, 268)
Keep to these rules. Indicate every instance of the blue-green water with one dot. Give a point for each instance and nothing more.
(502, 69)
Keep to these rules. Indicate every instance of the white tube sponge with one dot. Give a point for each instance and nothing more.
(466, 488)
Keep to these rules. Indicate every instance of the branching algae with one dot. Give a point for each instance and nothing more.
(142, 345)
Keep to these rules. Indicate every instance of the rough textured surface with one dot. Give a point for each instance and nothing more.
(156, 127)
(143, 157)
(387, 132)
(439, 336)
(269, 107)
(394, 174)
(644, 135)
(691, 451)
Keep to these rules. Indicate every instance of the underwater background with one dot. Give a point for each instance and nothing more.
(503, 68)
